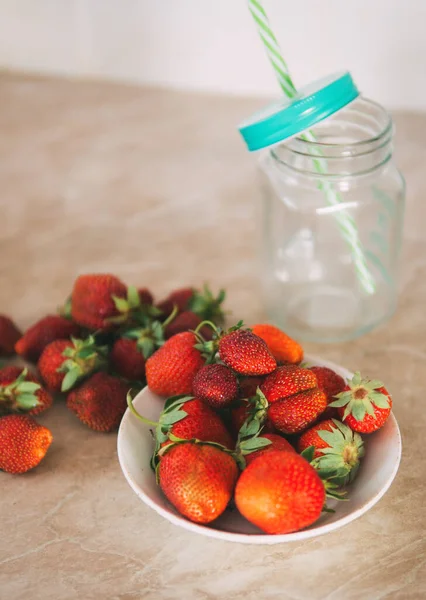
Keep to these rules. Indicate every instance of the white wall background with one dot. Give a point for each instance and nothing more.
(213, 44)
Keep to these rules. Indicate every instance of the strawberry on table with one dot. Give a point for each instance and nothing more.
(171, 370)
(65, 362)
(21, 391)
(216, 385)
(42, 333)
(198, 479)
(9, 335)
(364, 405)
(202, 303)
(337, 449)
(280, 492)
(23, 443)
(100, 402)
(127, 360)
(283, 348)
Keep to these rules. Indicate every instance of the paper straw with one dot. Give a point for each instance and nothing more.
(345, 221)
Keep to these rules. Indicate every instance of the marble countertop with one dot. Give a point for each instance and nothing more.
(156, 187)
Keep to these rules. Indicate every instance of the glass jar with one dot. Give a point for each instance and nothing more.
(332, 219)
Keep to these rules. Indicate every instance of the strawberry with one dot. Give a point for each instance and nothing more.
(187, 418)
(338, 449)
(296, 413)
(100, 402)
(23, 443)
(277, 442)
(287, 381)
(280, 492)
(21, 391)
(42, 333)
(249, 385)
(202, 303)
(184, 322)
(332, 384)
(216, 385)
(246, 353)
(9, 335)
(145, 296)
(171, 370)
(364, 405)
(241, 412)
(282, 347)
(94, 300)
(179, 298)
(198, 479)
(127, 360)
(65, 362)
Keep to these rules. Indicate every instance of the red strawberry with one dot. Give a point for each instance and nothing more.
(364, 405)
(93, 301)
(179, 298)
(198, 479)
(183, 322)
(277, 443)
(100, 402)
(9, 335)
(332, 384)
(216, 385)
(23, 443)
(282, 347)
(42, 333)
(145, 296)
(246, 353)
(126, 360)
(241, 412)
(21, 391)
(296, 413)
(286, 381)
(65, 362)
(280, 492)
(249, 385)
(338, 449)
(188, 418)
(171, 370)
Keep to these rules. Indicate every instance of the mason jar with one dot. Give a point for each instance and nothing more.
(331, 225)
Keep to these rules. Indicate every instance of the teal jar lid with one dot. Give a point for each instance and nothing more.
(292, 116)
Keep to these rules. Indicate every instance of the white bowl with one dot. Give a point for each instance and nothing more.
(378, 469)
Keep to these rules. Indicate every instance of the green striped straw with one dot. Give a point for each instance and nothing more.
(345, 221)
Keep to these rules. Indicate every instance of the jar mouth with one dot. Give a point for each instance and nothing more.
(385, 130)
(355, 140)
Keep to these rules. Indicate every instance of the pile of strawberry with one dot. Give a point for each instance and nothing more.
(94, 351)
(246, 424)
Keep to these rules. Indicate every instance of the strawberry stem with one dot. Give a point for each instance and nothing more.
(209, 323)
(170, 317)
(137, 415)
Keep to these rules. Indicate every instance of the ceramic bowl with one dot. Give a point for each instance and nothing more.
(377, 471)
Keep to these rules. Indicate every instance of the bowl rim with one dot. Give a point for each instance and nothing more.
(248, 538)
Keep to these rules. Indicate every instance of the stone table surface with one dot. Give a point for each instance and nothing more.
(157, 187)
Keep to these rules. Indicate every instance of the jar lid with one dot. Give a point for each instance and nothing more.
(311, 104)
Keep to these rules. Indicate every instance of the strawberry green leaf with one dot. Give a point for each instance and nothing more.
(253, 444)
(28, 387)
(173, 401)
(121, 304)
(172, 417)
(359, 410)
(146, 346)
(27, 401)
(133, 299)
(308, 453)
(70, 379)
(250, 427)
(380, 400)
